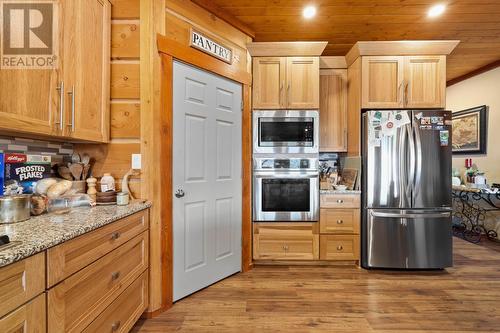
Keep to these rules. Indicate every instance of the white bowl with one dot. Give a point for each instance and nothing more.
(341, 187)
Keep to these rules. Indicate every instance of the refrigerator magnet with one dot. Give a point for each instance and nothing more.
(444, 137)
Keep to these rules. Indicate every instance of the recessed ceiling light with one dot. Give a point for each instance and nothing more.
(309, 12)
(436, 10)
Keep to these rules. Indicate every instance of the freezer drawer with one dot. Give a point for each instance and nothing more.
(408, 239)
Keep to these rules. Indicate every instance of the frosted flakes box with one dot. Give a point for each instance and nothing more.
(22, 172)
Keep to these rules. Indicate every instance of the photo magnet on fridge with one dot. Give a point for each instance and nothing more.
(444, 137)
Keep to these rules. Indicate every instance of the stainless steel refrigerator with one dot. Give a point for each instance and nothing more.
(406, 171)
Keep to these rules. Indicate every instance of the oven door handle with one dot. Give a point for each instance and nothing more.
(285, 176)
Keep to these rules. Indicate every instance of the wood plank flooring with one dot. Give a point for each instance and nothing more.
(465, 298)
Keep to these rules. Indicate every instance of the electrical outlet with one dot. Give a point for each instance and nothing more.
(136, 161)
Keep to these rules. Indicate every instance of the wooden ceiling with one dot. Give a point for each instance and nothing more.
(343, 22)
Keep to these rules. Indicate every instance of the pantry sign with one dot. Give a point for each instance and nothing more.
(211, 47)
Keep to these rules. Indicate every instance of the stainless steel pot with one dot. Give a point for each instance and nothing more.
(14, 208)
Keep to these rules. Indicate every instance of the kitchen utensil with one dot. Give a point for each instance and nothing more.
(76, 170)
(14, 208)
(85, 159)
(64, 172)
(349, 177)
(75, 158)
(86, 169)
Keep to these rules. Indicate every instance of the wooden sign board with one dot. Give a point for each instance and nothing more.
(210, 46)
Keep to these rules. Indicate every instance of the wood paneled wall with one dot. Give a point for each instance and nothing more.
(125, 135)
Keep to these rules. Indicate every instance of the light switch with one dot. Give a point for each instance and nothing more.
(136, 161)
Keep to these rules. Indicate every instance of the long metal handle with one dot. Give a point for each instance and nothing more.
(411, 215)
(61, 106)
(276, 175)
(402, 172)
(72, 93)
(418, 145)
(411, 183)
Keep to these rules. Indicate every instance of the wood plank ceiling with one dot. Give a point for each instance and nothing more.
(343, 22)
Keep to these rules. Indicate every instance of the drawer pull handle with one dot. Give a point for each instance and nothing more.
(115, 275)
(340, 201)
(340, 221)
(115, 235)
(340, 248)
(115, 326)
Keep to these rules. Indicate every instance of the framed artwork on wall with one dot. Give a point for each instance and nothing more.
(470, 131)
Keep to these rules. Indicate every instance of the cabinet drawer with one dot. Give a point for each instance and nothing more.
(122, 314)
(339, 247)
(339, 221)
(21, 281)
(29, 318)
(74, 303)
(69, 257)
(339, 201)
(286, 241)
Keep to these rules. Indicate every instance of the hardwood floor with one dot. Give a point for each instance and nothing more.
(464, 298)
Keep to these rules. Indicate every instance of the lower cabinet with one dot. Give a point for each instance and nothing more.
(29, 318)
(339, 247)
(286, 241)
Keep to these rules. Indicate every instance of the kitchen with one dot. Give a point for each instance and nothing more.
(146, 124)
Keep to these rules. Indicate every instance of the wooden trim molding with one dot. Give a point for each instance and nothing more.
(332, 62)
(202, 60)
(286, 49)
(475, 72)
(246, 153)
(402, 48)
(209, 6)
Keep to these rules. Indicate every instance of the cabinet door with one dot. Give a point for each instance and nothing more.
(29, 318)
(286, 241)
(382, 82)
(88, 88)
(425, 81)
(339, 247)
(333, 110)
(268, 82)
(302, 76)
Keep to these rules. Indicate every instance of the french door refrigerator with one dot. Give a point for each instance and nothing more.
(406, 162)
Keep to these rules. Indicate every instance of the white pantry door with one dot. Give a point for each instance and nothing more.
(206, 179)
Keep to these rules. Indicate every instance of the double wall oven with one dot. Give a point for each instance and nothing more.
(285, 164)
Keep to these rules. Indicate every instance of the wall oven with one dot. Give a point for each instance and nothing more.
(285, 132)
(286, 189)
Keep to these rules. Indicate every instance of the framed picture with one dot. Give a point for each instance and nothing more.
(469, 131)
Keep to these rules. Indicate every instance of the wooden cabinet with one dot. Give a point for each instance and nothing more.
(286, 241)
(333, 110)
(71, 101)
(29, 318)
(286, 82)
(71, 256)
(21, 281)
(339, 227)
(269, 82)
(403, 82)
(382, 82)
(425, 81)
(75, 302)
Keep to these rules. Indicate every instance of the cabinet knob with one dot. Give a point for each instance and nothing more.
(340, 248)
(340, 221)
(115, 235)
(115, 326)
(340, 201)
(115, 275)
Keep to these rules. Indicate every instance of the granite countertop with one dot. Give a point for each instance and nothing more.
(42, 232)
(339, 192)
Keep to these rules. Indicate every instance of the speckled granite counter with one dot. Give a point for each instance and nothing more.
(42, 232)
(339, 192)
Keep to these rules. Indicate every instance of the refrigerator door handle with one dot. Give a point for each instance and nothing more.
(418, 159)
(411, 182)
(411, 215)
(402, 174)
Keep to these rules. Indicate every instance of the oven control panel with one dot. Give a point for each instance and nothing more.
(286, 163)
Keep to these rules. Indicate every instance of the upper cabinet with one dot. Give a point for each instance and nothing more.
(403, 82)
(72, 100)
(333, 110)
(268, 82)
(286, 82)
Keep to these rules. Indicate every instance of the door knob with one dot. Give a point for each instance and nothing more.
(180, 193)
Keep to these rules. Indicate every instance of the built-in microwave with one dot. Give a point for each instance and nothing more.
(285, 131)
